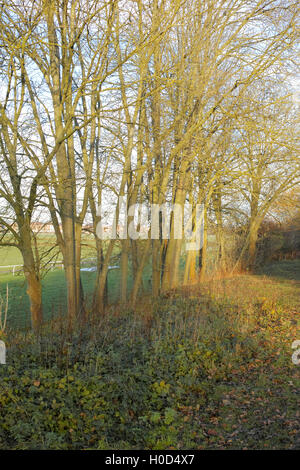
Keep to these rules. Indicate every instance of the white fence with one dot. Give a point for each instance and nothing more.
(12, 268)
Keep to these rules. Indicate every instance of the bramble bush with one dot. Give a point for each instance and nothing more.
(122, 382)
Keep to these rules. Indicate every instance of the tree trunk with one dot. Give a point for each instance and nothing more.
(124, 271)
(190, 271)
(101, 282)
(69, 256)
(221, 255)
(32, 275)
(172, 260)
(253, 235)
(156, 267)
(139, 273)
(34, 291)
(203, 250)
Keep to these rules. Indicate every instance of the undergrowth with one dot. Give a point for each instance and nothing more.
(196, 370)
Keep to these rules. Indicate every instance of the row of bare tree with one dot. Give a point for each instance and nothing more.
(164, 101)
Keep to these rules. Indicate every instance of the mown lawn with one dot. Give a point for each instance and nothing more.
(209, 367)
(54, 293)
(54, 284)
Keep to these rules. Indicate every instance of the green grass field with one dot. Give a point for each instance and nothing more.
(54, 285)
(54, 294)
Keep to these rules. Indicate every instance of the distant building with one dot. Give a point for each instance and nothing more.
(42, 227)
(88, 227)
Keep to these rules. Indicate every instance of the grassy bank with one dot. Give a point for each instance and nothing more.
(205, 368)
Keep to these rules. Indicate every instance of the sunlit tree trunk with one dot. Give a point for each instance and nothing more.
(32, 276)
(203, 250)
